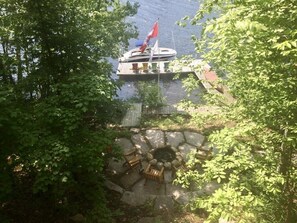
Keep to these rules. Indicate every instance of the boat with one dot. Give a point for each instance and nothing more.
(149, 54)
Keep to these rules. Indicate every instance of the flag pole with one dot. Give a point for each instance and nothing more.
(158, 63)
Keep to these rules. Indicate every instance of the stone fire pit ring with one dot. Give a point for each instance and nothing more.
(166, 156)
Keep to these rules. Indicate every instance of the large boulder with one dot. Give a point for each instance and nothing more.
(156, 138)
(174, 139)
(194, 138)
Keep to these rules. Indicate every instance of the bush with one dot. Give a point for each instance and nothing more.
(150, 94)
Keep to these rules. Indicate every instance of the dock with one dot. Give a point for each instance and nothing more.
(202, 71)
(138, 69)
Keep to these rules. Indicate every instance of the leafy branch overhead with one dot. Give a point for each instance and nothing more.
(56, 98)
(252, 44)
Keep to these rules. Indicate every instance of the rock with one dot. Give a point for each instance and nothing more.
(156, 138)
(178, 154)
(194, 138)
(201, 154)
(112, 186)
(164, 203)
(136, 199)
(175, 191)
(215, 151)
(130, 178)
(167, 165)
(153, 162)
(186, 150)
(135, 130)
(129, 198)
(160, 165)
(174, 149)
(144, 163)
(149, 156)
(179, 158)
(148, 188)
(176, 163)
(168, 176)
(174, 139)
(211, 187)
(116, 166)
(140, 143)
(125, 144)
(186, 197)
(207, 147)
(183, 199)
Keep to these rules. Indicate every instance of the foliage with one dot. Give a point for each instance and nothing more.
(150, 94)
(173, 121)
(190, 83)
(253, 43)
(56, 98)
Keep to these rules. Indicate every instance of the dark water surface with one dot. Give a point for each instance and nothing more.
(170, 35)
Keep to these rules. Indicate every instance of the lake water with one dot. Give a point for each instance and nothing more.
(170, 35)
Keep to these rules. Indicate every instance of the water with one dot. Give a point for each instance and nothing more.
(170, 35)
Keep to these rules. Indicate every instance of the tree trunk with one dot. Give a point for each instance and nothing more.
(288, 189)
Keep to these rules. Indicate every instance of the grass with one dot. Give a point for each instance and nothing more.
(173, 122)
(180, 122)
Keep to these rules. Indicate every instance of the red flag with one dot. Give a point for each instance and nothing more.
(143, 47)
(152, 34)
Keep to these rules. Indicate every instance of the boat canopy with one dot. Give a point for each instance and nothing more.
(139, 43)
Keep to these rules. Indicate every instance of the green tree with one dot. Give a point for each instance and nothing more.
(56, 97)
(150, 94)
(252, 43)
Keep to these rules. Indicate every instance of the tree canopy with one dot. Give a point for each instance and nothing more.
(253, 45)
(56, 97)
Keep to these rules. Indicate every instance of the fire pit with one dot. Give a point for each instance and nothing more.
(165, 154)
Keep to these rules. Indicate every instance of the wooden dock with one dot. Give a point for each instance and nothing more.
(208, 80)
(164, 68)
(138, 69)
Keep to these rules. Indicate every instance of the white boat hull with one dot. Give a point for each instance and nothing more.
(136, 55)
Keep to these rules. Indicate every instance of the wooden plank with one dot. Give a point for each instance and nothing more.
(133, 115)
